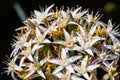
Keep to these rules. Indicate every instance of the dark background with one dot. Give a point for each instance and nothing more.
(9, 19)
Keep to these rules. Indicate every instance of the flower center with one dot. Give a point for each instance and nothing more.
(64, 63)
(69, 43)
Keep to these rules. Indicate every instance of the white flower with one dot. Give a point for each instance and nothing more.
(40, 37)
(19, 43)
(84, 68)
(69, 40)
(29, 51)
(64, 62)
(77, 13)
(36, 67)
(87, 40)
(12, 67)
(40, 16)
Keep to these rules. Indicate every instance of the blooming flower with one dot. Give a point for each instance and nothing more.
(40, 16)
(12, 67)
(84, 68)
(64, 62)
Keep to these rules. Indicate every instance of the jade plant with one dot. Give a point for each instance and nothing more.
(70, 44)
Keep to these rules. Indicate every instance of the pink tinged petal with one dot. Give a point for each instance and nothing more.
(13, 76)
(107, 64)
(54, 61)
(63, 54)
(29, 74)
(58, 69)
(30, 58)
(22, 61)
(96, 51)
(89, 51)
(59, 75)
(113, 38)
(74, 58)
(92, 67)
(84, 61)
(96, 61)
(76, 78)
(109, 46)
(14, 52)
(112, 57)
(41, 74)
(48, 9)
(70, 69)
(86, 76)
(66, 34)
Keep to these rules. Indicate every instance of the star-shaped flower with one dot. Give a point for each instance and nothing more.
(83, 69)
(64, 62)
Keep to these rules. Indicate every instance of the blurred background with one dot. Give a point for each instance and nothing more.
(14, 12)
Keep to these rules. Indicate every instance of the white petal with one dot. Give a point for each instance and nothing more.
(74, 58)
(18, 68)
(82, 31)
(76, 11)
(84, 61)
(76, 78)
(59, 75)
(86, 76)
(112, 78)
(46, 41)
(35, 47)
(66, 34)
(94, 40)
(70, 69)
(89, 51)
(92, 30)
(41, 74)
(22, 60)
(29, 74)
(13, 76)
(38, 33)
(63, 54)
(59, 68)
(92, 67)
(48, 9)
(43, 61)
(14, 52)
(30, 58)
(54, 61)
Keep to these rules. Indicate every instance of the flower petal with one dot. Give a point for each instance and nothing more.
(29, 74)
(41, 74)
(76, 78)
(54, 61)
(74, 58)
(59, 68)
(70, 69)
(66, 34)
(63, 54)
(92, 67)
(86, 76)
(89, 51)
(84, 61)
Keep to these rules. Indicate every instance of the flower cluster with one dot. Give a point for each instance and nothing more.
(65, 45)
